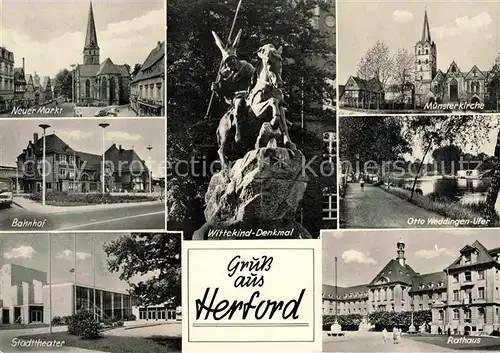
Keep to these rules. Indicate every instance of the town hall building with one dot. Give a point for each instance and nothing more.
(96, 83)
(463, 297)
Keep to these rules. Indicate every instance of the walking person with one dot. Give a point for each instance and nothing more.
(395, 335)
(399, 335)
(384, 333)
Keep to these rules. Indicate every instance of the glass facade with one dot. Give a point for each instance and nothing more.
(107, 304)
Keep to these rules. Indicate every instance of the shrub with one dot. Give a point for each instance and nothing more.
(119, 323)
(88, 198)
(57, 321)
(82, 324)
(131, 318)
(66, 320)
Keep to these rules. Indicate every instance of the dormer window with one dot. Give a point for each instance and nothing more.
(431, 285)
(467, 258)
(426, 51)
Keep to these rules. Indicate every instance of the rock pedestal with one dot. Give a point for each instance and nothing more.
(257, 197)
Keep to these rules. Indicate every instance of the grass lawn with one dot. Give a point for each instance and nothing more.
(116, 344)
(486, 344)
(21, 326)
(453, 210)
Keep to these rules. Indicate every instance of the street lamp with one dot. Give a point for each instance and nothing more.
(336, 328)
(149, 148)
(17, 177)
(44, 127)
(73, 83)
(104, 126)
(412, 329)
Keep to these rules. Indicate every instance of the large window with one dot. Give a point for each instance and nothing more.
(468, 276)
(456, 294)
(480, 292)
(480, 274)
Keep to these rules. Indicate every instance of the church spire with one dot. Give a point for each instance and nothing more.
(426, 33)
(91, 48)
(91, 37)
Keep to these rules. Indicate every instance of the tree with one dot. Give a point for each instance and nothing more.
(403, 68)
(127, 66)
(377, 63)
(192, 64)
(490, 213)
(376, 139)
(155, 255)
(64, 82)
(447, 158)
(137, 68)
(437, 131)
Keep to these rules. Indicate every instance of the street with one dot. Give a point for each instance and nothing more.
(359, 341)
(119, 218)
(372, 207)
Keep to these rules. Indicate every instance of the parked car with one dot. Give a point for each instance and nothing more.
(5, 193)
(107, 112)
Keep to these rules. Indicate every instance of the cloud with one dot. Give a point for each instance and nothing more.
(359, 257)
(402, 16)
(68, 255)
(75, 134)
(432, 254)
(123, 42)
(122, 136)
(21, 252)
(464, 25)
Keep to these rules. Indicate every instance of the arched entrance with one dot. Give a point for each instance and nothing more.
(475, 99)
(453, 90)
(104, 89)
(467, 330)
(112, 91)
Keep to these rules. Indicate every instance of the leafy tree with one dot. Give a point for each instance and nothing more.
(377, 63)
(447, 158)
(137, 68)
(401, 319)
(376, 139)
(64, 82)
(192, 65)
(348, 322)
(493, 88)
(157, 255)
(402, 70)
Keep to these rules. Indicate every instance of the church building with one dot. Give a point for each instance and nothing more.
(96, 83)
(451, 86)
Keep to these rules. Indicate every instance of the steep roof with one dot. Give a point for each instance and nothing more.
(123, 159)
(394, 272)
(354, 292)
(91, 36)
(429, 282)
(53, 143)
(108, 68)
(484, 256)
(154, 64)
(371, 85)
(93, 160)
(19, 75)
(87, 70)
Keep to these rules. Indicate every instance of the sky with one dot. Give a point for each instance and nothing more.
(362, 254)
(31, 250)
(85, 135)
(464, 31)
(50, 35)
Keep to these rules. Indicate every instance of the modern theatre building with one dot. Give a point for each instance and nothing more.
(463, 297)
(24, 298)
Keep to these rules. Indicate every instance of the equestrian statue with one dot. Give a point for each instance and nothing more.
(251, 92)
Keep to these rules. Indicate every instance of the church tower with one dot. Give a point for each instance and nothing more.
(91, 49)
(425, 58)
(401, 253)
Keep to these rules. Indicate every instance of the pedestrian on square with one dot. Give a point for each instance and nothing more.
(384, 333)
(399, 335)
(395, 335)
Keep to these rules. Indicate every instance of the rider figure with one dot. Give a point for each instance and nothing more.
(233, 84)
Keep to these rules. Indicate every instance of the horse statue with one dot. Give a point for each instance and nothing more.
(266, 94)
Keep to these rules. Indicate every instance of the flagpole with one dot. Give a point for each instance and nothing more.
(50, 283)
(74, 272)
(95, 299)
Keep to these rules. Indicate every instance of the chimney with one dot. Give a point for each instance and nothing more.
(120, 148)
(159, 43)
(35, 137)
(23, 65)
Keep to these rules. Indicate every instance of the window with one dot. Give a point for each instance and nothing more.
(455, 278)
(420, 307)
(453, 69)
(426, 61)
(467, 258)
(62, 172)
(426, 51)
(456, 314)
(480, 274)
(480, 293)
(71, 160)
(62, 158)
(441, 315)
(456, 295)
(419, 61)
(468, 276)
